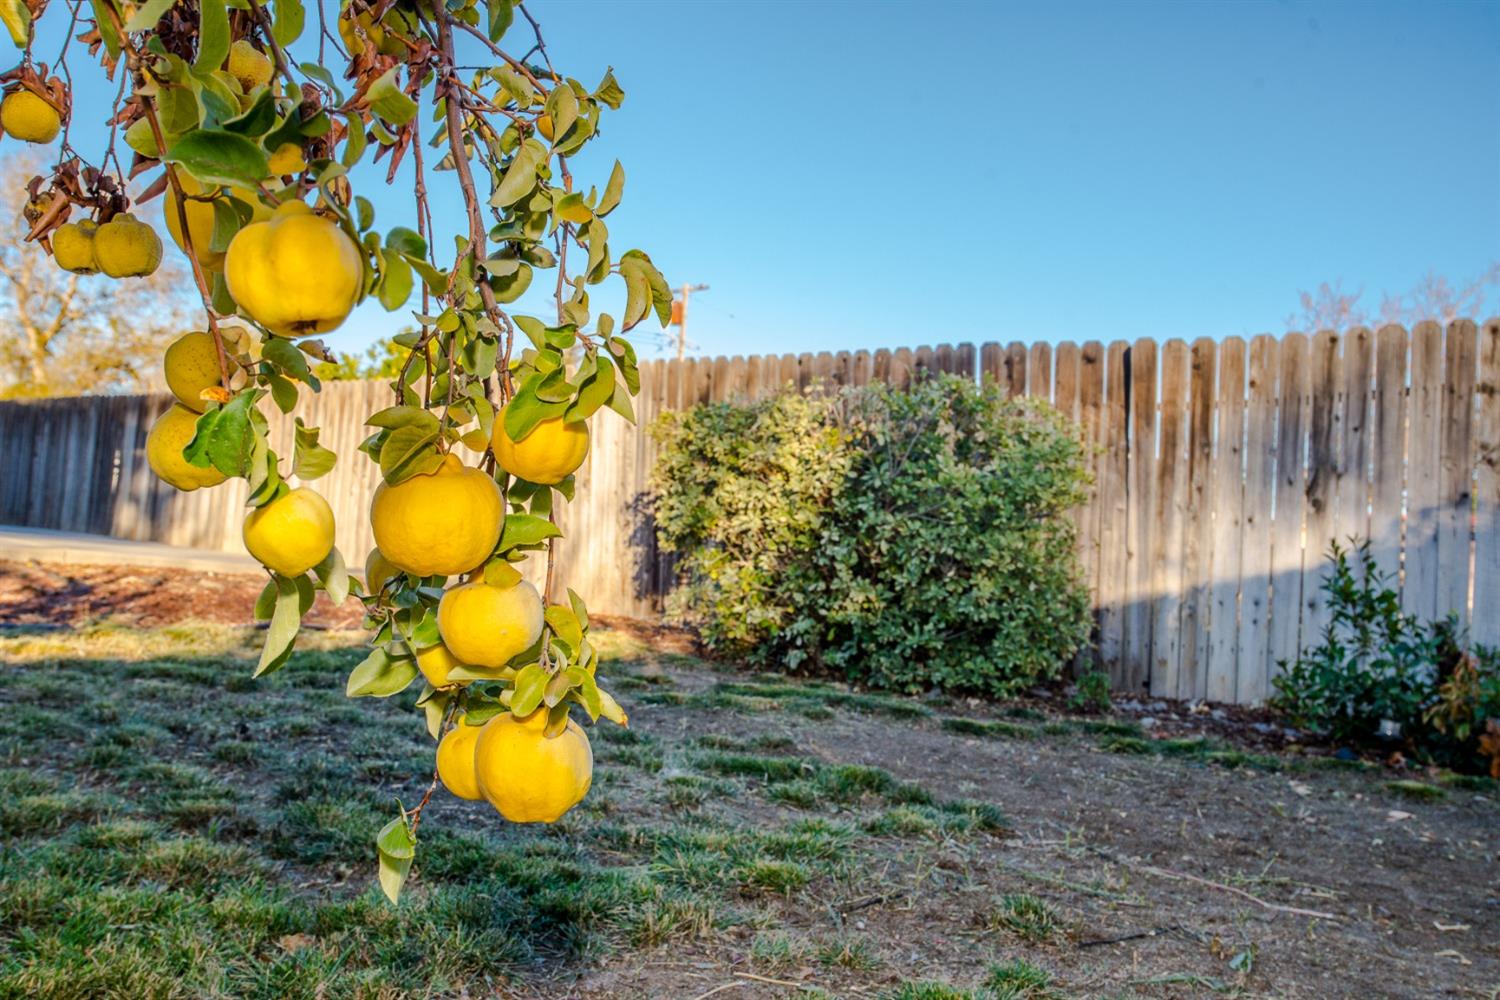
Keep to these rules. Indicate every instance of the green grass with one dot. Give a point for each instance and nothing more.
(1418, 790)
(173, 828)
(1024, 915)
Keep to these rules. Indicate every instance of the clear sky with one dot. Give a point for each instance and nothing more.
(850, 175)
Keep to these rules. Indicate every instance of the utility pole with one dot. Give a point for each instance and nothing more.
(679, 316)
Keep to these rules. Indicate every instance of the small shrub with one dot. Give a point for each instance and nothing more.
(902, 539)
(1091, 694)
(1375, 662)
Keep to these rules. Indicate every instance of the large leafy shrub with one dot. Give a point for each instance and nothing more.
(900, 539)
(1374, 662)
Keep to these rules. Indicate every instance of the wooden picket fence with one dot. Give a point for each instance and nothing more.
(1223, 470)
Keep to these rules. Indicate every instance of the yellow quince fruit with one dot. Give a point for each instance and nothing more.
(292, 533)
(549, 454)
(487, 625)
(455, 760)
(440, 524)
(297, 273)
(73, 247)
(191, 364)
(168, 436)
(250, 66)
(28, 117)
(527, 776)
(125, 247)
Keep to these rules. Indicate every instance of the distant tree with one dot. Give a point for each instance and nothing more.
(1434, 297)
(382, 359)
(64, 334)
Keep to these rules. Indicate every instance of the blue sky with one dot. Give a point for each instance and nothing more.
(850, 175)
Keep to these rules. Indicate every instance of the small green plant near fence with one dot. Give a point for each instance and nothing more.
(1375, 663)
(903, 539)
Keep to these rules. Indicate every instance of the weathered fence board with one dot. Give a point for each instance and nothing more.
(1487, 489)
(1222, 472)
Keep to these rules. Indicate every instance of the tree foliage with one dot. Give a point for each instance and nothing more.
(258, 122)
(901, 539)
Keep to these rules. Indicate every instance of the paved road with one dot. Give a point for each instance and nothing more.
(42, 545)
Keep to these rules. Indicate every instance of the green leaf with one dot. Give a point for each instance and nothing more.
(526, 529)
(101, 20)
(595, 392)
(381, 675)
(570, 208)
(565, 623)
(579, 611)
(407, 452)
(637, 291)
(213, 36)
(394, 417)
(501, 13)
(396, 848)
(226, 225)
(609, 92)
(224, 438)
(562, 105)
(513, 286)
(396, 280)
(284, 354)
(286, 27)
(311, 460)
(146, 16)
(333, 575)
(387, 100)
(256, 120)
(610, 200)
(214, 156)
(525, 410)
(530, 688)
(285, 620)
(499, 573)
(283, 391)
(265, 604)
(520, 176)
(405, 241)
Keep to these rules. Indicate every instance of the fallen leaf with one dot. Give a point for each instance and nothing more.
(1460, 928)
(1396, 816)
(1301, 789)
(1450, 953)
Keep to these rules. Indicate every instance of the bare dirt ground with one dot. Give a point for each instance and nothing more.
(1163, 866)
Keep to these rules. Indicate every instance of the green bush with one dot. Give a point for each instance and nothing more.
(1375, 661)
(900, 539)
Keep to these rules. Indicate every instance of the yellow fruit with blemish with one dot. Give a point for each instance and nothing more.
(439, 524)
(489, 625)
(292, 533)
(249, 65)
(192, 365)
(552, 451)
(169, 435)
(297, 273)
(26, 116)
(528, 776)
(125, 247)
(455, 760)
(73, 247)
